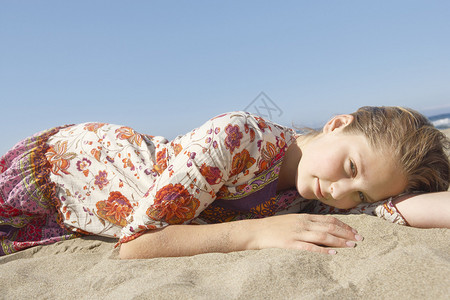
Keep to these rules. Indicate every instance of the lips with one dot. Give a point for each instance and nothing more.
(318, 191)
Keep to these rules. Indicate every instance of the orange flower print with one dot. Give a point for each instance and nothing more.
(126, 133)
(59, 158)
(241, 162)
(177, 148)
(157, 169)
(66, 212)
(173, 204)
(161, 161)
(252, 135)
(93, 126)
(267, 155)
(115, 210)
(147, 227)
(252, 132)
(213, 175)
(96, 154)
(223, 192)
(281, 143)
(242, 187)
(128, 163)
(261, 123)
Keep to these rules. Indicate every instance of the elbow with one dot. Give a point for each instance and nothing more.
(138, 248)
(125, 252)
(129, 251)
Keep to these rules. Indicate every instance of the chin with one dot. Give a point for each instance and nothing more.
(306, 195)
(345, 208)
(300, 191)
(303, 192)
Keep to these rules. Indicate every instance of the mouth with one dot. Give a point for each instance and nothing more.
(318, 191)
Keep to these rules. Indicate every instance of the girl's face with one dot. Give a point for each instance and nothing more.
(342, 170)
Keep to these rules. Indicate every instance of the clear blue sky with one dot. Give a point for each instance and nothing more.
(164, 67)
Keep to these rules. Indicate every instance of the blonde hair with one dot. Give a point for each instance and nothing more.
(414, 142)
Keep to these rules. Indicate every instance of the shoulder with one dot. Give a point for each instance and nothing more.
(239, 129)
(251, 129)
(247, 120)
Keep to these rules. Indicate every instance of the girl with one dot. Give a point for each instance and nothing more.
(152, 194)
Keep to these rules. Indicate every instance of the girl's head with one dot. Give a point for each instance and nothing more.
(371, 155)
(411, 140)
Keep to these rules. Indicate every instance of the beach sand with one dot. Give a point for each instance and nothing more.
(393, 262)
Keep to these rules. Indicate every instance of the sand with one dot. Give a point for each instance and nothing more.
(393, 262)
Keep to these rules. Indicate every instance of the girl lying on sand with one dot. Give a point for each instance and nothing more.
(237, 182)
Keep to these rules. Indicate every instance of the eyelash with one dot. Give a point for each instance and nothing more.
(354, 172)
(353, 168)
(362, 197)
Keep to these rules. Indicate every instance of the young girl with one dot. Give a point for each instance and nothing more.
(178, 198)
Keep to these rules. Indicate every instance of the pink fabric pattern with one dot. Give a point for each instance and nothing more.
(28, 205)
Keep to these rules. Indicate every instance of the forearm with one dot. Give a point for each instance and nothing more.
(430, 210)
(293, 231)
(186, 240)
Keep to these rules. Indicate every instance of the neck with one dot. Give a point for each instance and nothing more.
(288, 170)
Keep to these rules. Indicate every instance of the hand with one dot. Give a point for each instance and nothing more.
(304, 232)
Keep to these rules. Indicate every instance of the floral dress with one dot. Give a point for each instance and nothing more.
(109, 180)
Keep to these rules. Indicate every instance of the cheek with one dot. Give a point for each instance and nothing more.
(301, 180)
(330, 167)
(322, 168)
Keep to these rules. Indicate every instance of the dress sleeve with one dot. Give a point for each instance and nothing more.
(383, 209)
(387, 210)
(192, 169)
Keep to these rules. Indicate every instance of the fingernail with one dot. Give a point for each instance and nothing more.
(358, 237)
(350, 244)
(332, 252)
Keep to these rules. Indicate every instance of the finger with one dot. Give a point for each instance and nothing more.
(325, 238)
(334, 226)
(313, 248)
(332, 230)
(331, 220)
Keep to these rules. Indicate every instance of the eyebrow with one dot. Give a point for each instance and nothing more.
(361, 173)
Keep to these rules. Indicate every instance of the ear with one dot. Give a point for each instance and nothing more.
(338, 122)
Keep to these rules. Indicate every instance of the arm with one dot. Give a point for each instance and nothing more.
(211, 161)
(294, 231)
(425, 210)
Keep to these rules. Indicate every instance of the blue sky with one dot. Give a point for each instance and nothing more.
(164, 67)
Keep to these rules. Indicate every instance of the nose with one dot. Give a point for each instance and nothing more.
(342, 188)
